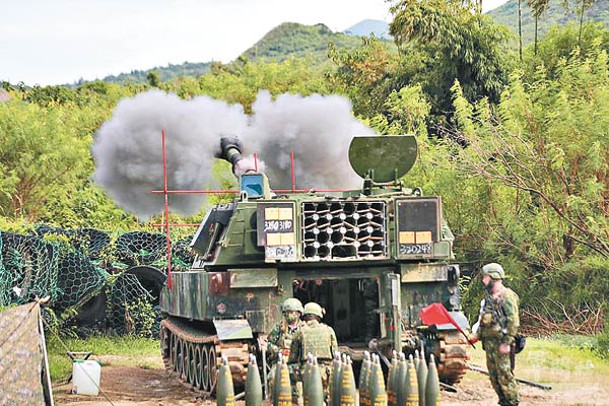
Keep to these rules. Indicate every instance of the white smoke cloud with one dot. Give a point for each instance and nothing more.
(129, 157)
(128, 152)
(317, 128)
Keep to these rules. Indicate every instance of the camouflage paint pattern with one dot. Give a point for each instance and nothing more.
(21, 356)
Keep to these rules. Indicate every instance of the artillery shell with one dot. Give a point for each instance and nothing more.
(364, 378)
(306, 375)
(432, 388)
(283, 386)
(253, 385)
(347, 391)
(412, 387)
(314, 392)
(422, 378)
(400, 391)
(378, 393)
(225, 393)
(335, 379)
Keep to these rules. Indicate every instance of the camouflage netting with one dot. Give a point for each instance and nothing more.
(130, 300)
(28, 269)
(78, 279)
(141, 248)
(95, 279)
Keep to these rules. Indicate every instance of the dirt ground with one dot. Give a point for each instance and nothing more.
(148, 384)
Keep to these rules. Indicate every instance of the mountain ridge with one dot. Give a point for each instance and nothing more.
(286, 40)
(303, 41)
(295, 40)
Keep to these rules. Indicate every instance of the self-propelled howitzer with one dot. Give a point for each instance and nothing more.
(371, 257)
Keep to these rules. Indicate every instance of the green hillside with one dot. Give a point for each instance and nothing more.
(507, 15)
(288, 40)
(165, 73)
(292, 40)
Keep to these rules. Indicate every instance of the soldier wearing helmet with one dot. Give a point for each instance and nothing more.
(280, 337)
(499, 322)
(317, 339)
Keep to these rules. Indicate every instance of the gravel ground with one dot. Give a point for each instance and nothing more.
(133, 385)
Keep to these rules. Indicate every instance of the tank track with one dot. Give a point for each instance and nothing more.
(450, 350)
(194, 356)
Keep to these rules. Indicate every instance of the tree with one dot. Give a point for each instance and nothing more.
(536, 172)
(51, 95)
(539, 7)
(40, 152)
(584, 5)
(520, 29)
(153, 78)
(548, 142)
(561, 44)
(368, 74)
(241, 82)
(458, 45)
(404, 112)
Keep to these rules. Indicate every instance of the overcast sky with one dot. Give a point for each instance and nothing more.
(59, 41)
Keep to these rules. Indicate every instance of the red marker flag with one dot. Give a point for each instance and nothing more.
(436, 313)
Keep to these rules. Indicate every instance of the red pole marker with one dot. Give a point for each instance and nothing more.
(166, 196)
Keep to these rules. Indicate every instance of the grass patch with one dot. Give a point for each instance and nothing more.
(562, 361)
(60, 364)
(581, 342)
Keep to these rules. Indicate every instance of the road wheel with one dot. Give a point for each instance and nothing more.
(205, 374)
(213, 368)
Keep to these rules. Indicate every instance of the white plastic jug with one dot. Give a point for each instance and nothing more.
(85, 377)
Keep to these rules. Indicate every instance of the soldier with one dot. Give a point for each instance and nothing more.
(280, 337)
(316, 338)
(499, 322)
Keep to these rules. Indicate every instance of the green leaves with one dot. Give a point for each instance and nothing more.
(40, 151)
(458, 44)
(240, 83)
(367, 74)
(407, 110)
(543, 157)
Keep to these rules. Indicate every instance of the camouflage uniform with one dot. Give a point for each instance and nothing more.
(279, 342)
(499, 324)
(318, 339)
(280, 339)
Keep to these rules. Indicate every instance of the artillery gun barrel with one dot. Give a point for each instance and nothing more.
(230, 150)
